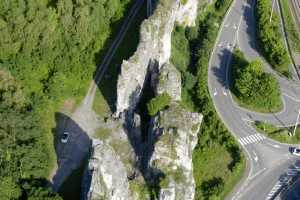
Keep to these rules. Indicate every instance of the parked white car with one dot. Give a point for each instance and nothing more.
(296, 151)
(65, 137)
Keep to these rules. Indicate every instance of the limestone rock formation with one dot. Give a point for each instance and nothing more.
(107, 174)
(169, 81)
(154, 49)
(176, 133)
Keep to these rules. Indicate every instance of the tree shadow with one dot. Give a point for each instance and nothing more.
(70, 155)
(109, 62)
(221, 71)
(249, 16)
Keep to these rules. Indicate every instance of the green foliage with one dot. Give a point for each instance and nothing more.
(254, 88)
(281, 134)
(270, 38)
(217, 155)
(180, 49)
(49, 48)
(158, 103)
(290, 26)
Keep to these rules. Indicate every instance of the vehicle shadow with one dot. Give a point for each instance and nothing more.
(70, 155)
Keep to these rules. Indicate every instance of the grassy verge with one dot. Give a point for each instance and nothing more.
(218, 160)
(104, 103)
(270, 38)
(253, 88)
(280, 134)
(290, 26)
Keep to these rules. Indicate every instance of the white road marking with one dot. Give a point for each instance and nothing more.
(259, 172)
(234, 26)
(255, 156)
(293, 98)
(215, 92)
(224, 92)
(251, 139)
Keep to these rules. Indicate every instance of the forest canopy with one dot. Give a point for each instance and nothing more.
(48, 53)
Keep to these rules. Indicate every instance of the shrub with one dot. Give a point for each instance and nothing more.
(253, 87)
(158, 103)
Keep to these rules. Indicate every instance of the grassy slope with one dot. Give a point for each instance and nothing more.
(290, 26)
(280, 134)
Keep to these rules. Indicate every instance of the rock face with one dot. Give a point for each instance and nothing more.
(121, 156)
(174, 137)
(169, 81)
(107, 174)
(154, 49)
(172, 154)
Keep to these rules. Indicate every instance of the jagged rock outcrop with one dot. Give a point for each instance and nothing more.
(154, 49)
(172, 154)
(107, 174)
(173, 132)
(169, 81)
(174, 137)
(112, 162)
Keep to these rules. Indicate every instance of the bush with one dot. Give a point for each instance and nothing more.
(158, 103)
(254, 88)
(270, 38)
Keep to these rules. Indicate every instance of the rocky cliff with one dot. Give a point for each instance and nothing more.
(154, 49)
(123, 165)
(173, 137)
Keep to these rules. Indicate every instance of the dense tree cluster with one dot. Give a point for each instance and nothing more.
(270, 38)
(254, 87)
(48, 51)
(24, 160)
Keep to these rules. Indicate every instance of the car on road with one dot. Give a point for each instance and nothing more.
(65, 137)
(296, 151)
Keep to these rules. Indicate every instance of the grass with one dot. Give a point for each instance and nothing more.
(255, 108)
(280, 134)
(212, 162)
(102, 133)
(104, 103)
(290, 26)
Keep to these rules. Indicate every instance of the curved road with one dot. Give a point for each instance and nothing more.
(270, 165)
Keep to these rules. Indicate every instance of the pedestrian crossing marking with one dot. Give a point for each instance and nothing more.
(251, 139)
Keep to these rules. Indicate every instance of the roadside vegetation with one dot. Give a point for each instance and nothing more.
(280, 134)
(290, 26)
(47, 55)
(270, 37)
(252, 87)
(218, 160)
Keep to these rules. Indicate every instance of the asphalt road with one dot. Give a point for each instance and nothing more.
(268, 160)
